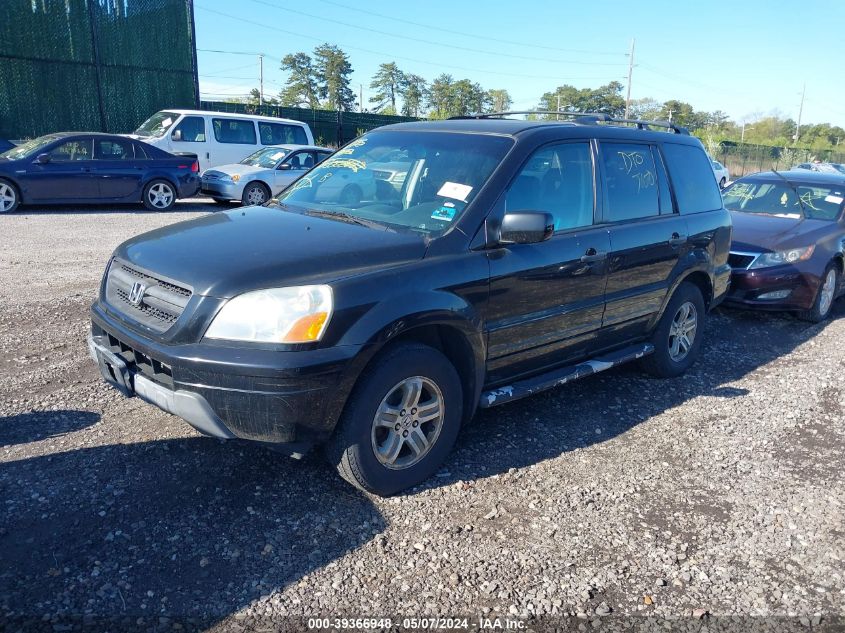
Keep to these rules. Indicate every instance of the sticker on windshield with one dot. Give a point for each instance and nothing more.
(454, 190)
(834, 199)
(277, 156)
(444, 213)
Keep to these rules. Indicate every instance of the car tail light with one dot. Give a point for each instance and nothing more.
(195, 167)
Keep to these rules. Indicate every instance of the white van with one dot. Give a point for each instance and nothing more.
(219, 138)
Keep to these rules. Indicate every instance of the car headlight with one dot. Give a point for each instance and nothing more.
(235, 177)
(783, 257)
(298, 314)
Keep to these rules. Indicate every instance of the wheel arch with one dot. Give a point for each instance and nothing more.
(699, 278)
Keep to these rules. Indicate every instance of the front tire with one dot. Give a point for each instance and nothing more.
(400, 422)
(255, 194)
(824, 296)
(677, 338)
(9, 198)
(159, 195)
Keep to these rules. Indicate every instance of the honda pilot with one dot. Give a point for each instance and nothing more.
(511, 256)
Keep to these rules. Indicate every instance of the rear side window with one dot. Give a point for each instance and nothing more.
(692, 178)
(281, 133)
(113, 149)
(234, 131)
(631, 178)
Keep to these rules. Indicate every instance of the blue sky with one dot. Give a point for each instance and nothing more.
(748, 58)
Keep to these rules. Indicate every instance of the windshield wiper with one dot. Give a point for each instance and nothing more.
(348, 217)
(794, 189)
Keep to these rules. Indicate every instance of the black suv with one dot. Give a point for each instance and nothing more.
(423, 270)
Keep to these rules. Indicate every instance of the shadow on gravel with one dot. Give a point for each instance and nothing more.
(114, 209)
(600, 407)
(32, 427)
(191, 527)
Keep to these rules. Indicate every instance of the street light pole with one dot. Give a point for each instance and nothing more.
(260, 79)
(800, 112)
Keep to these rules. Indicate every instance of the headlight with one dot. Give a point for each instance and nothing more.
(276, 315)
(235, 177)
(783, 257)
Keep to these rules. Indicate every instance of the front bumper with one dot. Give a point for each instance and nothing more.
(226, 391)
(221, 189)
(748, 288)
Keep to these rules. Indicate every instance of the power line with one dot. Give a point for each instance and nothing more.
(381, 53)
(441, 29)
(451, 45)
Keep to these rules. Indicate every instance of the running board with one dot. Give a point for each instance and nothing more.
(563, 375)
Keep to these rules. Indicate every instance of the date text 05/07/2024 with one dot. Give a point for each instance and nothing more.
(423, 623)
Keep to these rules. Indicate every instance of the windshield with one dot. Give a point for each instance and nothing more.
(820, 202)
(432, 177)
(157, 124)
(267, 158)
(29, 148)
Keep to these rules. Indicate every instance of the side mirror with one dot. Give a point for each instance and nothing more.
(284, 167)
(177, 135)
(526, 227)
(43, 159)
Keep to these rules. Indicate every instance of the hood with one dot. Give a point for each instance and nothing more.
(235, 168)
(760, 232)
(225, 254)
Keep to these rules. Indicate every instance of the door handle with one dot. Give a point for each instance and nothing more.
(677, 239)
(592, 255)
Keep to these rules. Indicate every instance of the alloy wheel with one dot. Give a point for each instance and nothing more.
(256, 195)
(160, 195)
(827, 291)
(8, 197)
(682, 331)
(407, 423)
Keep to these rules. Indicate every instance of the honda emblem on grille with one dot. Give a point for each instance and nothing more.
(136, 293)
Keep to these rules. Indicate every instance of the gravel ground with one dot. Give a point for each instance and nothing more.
(719, 493)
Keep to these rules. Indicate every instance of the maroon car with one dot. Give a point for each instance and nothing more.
(787, 249)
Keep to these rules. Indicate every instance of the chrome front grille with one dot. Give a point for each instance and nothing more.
(144, 297)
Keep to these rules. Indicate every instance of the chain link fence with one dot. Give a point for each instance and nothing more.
(746, 158)
(100, 65)
(330, 128)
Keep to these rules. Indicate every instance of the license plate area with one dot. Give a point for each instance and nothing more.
(114, 371)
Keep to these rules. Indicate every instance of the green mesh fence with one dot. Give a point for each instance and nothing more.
(329, 127)
(93, 64)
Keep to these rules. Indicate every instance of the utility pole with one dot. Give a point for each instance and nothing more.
(670, 115)
(630, 72)
(557, 116)
(800, 111)
(260, 79)
(360, 97)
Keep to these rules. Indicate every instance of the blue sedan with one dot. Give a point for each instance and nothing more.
(92, 168)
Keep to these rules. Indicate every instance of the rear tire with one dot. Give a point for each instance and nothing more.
(9, 197)
(824, 296)
(159, 195)
(255, 194)
(400, 422)
(677, 338)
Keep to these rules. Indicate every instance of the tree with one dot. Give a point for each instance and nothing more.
(440, 96)
(466, 98)
(682, 113)
(332, 70)
(388, 82)
(301, 86)
(255, 98)
(646, 109)
(414, 91)
(606, 99)
(499, 100)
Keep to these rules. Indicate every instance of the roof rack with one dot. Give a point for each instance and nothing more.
(584, 118)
